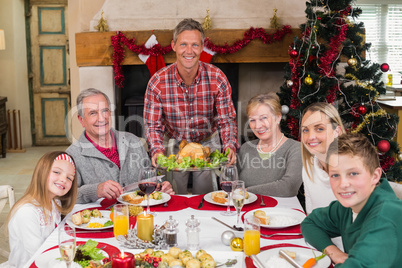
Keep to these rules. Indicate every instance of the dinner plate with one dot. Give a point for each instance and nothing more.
(302, 255)
(280, 217)
(105, 217)
(152, 202)
(48, 259)
(251, 198)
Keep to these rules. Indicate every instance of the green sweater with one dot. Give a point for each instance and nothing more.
(374, 239)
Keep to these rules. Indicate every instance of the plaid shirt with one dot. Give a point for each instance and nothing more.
(191, 113)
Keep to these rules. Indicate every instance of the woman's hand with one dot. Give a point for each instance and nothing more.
(167, 188)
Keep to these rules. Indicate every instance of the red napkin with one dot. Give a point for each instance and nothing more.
(174, 204)
(107, 202)
(194, 201)
(249, 262)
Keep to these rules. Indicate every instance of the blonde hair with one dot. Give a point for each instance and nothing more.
(335, 120)
(269, 99)
(37, 192)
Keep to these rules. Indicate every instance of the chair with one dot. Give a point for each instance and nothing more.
(6, 194)
(397, 187)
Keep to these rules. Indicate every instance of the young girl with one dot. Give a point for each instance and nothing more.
(320, 125)
(51, 193)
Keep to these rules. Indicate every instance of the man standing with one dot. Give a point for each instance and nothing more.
(106, 159)
(190, 100)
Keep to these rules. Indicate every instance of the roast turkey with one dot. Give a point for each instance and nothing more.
(193, 150)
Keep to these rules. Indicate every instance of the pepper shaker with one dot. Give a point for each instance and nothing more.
(193, 233)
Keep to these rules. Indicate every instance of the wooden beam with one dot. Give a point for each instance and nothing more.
(95, 49)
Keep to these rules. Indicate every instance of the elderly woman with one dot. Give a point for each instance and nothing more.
(271, 164)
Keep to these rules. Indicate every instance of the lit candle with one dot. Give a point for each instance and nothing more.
(123, 260)
(145, 226)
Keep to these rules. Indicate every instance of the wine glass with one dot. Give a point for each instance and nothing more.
(228, 175)
(238, 197)
(67, 244)
(148, 183)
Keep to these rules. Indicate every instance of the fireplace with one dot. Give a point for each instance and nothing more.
(130, 99)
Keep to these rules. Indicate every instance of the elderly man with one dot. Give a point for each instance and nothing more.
(106, 159)
(190, 100)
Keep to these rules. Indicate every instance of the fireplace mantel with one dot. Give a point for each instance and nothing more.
(95, 49)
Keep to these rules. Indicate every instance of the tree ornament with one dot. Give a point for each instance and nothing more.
(383, 146)
(352, 62)
(285, 109)
(227, 237)
(102, 25)
(207, 24)
(384, 67)
(362, 109)
(236, 244)
(308, 80)
(289, 83)
(400, 156)
(274, 20)
(293, 53)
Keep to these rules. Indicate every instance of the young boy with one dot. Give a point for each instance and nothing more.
(367, 215)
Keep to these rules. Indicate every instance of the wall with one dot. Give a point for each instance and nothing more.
(157, 14)
(13, 64)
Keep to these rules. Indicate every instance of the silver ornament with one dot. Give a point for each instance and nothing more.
(226, 237)
(289, 83)
(285, 109)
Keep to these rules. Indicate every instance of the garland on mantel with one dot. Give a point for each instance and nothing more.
(120, 39)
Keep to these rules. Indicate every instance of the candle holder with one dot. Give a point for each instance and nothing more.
(123, 260)
(145, 226)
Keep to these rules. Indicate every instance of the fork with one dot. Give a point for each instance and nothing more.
(262, 202)
(264, 235)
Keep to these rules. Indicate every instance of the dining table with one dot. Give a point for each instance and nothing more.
(181, 208)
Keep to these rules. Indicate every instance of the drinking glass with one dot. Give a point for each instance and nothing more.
(238, 197)
(251, 240)
(148, 183)
(228, 175)
(120, 220)
(67, 244)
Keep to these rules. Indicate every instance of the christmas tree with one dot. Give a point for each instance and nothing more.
(328, 64)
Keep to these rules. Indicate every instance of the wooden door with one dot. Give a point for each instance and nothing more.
(50, 72)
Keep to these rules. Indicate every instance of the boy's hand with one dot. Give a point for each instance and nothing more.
(336, 255)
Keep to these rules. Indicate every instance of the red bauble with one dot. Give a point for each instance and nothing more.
(384, 67)
(362, 109)
(383, 146)
(293, 53)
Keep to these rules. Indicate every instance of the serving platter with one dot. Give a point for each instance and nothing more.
(105, 217)
(152, 202)
(251, 198)
(280, 217)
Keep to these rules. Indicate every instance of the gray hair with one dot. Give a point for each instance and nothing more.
(87, 93)
(188, 25)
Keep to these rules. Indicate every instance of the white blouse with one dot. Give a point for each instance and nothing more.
(27, 231)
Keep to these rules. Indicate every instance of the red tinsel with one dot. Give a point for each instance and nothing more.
(386, 162)
(253, 33)
(332, 93)
(293, 126)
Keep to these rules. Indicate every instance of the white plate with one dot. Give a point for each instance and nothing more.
(152, 202)
(251, 198)
(302, 255)
(105, 217)
(278, 215)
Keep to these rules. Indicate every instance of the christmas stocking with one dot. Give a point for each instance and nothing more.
(154, 63)
(206, 55)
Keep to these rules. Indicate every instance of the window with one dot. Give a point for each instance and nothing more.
(383, 23)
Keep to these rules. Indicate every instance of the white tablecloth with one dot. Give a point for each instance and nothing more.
(210, 235)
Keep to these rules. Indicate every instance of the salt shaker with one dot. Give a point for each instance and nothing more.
(193, 233)
(170, 232)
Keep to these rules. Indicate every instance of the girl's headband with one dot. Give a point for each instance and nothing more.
(65, 157)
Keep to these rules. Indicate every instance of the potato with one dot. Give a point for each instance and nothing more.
(208, 263)
(193, 263)
(96, 213)
(174, 251)
(199, 253)
(167, 258)
(175, 262)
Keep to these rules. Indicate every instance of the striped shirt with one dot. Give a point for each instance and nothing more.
(191, 113)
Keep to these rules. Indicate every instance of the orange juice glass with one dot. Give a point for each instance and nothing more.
(251, 240)
(120, 222)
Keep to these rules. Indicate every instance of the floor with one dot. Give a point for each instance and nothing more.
(16, 170)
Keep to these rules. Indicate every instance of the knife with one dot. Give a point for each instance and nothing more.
(289, 259)
(257, 261)
(227, 225)
(201, 203)
(134, 186)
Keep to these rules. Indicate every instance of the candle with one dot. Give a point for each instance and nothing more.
(123, 260)
(145, 226)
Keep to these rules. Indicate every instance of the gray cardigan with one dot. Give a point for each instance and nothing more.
(93, 167)
(280, 175)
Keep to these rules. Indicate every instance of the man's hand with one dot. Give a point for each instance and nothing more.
(231, 156)
(335, 254)
(109, 189)
(154, 158)
(167, 188)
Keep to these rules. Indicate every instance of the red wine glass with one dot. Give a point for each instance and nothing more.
(148, 183)
(228, 175)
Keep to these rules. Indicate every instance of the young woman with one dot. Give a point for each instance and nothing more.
(51, 193)
(320, 125)
(270, 165)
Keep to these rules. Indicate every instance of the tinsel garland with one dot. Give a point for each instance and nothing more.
(386, 162)
(120, 39)
(366, 120)
(362, 84)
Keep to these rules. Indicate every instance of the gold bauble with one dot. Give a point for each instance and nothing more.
(236, 244)
(352, 62)
(308, 80)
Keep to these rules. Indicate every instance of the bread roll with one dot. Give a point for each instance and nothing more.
(77, 218)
